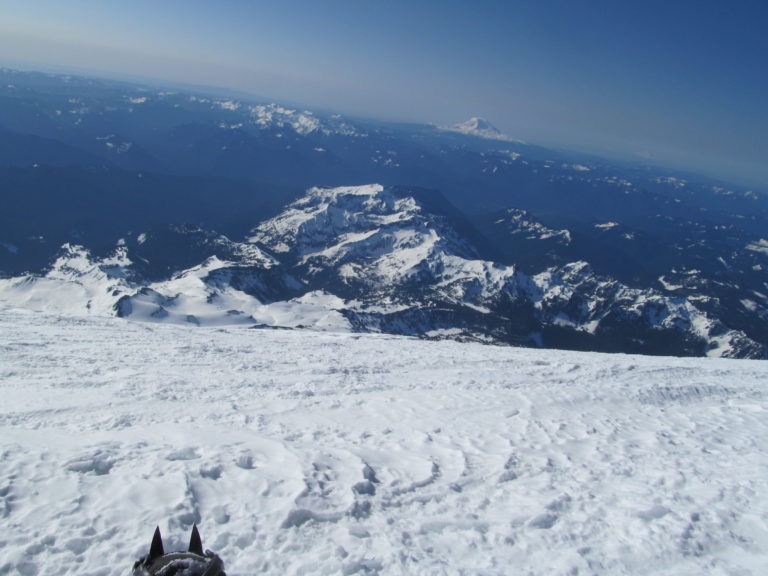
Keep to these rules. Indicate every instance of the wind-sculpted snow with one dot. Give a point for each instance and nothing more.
(329, 453)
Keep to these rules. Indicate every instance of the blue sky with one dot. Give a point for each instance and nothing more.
(680, 82)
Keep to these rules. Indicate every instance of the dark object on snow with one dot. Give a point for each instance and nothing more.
(193, 562)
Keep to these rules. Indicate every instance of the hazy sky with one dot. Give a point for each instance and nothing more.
(683, 82)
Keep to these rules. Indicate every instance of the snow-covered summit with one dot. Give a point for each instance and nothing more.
(368, 236)
(481, 128)
(329, 221)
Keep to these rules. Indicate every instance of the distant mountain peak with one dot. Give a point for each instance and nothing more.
(342, 220)
(477, 124)
(481, 128)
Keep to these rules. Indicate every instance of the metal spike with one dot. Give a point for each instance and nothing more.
(195, 543)
(156, 548)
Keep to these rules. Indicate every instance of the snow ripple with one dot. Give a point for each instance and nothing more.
(303, 453)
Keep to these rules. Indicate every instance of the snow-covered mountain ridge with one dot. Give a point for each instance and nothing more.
(383, 259)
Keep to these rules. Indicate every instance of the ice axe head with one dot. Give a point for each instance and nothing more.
(193, 562)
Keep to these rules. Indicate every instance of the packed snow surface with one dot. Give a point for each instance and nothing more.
(303, 452)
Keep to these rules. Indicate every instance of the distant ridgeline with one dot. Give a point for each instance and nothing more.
(169, 206)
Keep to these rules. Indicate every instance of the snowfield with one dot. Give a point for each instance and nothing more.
(301, 452)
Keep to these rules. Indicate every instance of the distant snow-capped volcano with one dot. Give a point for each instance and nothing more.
(481, 128)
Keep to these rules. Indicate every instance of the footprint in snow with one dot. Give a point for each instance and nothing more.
(188, 453)
(99, 463)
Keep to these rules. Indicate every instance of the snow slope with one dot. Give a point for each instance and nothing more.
(334, 453)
